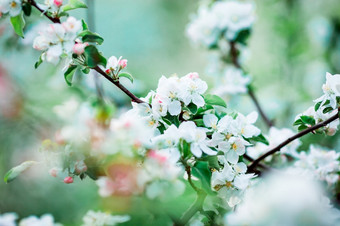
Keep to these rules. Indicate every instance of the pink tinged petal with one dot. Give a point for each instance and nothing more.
(232, 157)
(175, 108)
(195, 150)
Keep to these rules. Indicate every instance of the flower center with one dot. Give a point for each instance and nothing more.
(13, 4)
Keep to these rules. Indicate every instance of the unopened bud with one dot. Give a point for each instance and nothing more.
(58, 3)
(79, 48)
(123, 63)
(68, 180)
(53, 172)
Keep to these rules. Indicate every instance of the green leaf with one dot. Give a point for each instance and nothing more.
(199, 122)
(307, 120)
(84, 25)
(204, 108)
(202, 172)
(193, 108)
(213, 162)
(86, 70)
(68, 75)
(16, 171)
(18, 24)
(214, 100)
(302, 127)
(37, 64)
(298, 122)
(73, 4)
(260, 138)
(93, 37)
(317, 106)
(327, 109)
(93, 57)
(126, 75)
(27, 8)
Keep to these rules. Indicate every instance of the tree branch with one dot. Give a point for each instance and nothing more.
(100, 71)
(234, 59)
(253, 165)
(54, 20)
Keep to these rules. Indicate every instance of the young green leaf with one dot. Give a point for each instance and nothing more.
(202, 172)
(193, 108)
(74, 4)
(92, 37)
(68, 75)
(16, 171)
(18, 24)
(214, 100)
(27, 8)
(84, 25)
(93, 57)
(37, 64)
(126, 75)
(260, 138)
(307, 120)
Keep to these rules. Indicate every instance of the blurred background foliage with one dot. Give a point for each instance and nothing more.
(294, 43)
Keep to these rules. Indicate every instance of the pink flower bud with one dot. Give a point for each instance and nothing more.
(53, 172)
(123, 63)
(68, 180)
(58, 3)
(193, 75)
(79, 48)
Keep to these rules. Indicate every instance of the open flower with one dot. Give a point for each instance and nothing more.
(13, 7)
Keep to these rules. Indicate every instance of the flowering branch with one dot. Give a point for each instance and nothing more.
(100, 71)
(234, 59)
(253, 165)
(53, 19)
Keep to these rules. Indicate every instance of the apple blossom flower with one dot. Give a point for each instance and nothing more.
(13, 7)
(193, 88)
(8, 219)
(244, 125)
(98, 218)
(284, 198)
(324, 164)
(44, 220)
(232, 82)
(57, 39)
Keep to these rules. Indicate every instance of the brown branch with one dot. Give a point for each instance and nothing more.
(100, 71)
(253, 165)
(234, 59)
(53, 19)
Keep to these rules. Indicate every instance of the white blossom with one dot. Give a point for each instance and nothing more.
(8, 219)
(44, 220)
(98, 218)
(13, 7)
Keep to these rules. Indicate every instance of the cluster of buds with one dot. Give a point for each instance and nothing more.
(114, 66)
(79, 47)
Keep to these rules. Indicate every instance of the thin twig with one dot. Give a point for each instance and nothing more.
(290, 139)
(234, 59)
(53, 19)
(100, 71)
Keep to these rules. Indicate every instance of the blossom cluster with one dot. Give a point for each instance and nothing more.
(9, 219)
(325, 107)
(322, 163)
(220, 25)
(284, 198)
(92, 218)
(13, 7)
(58, 40)
(190, 128)
(223, 19)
